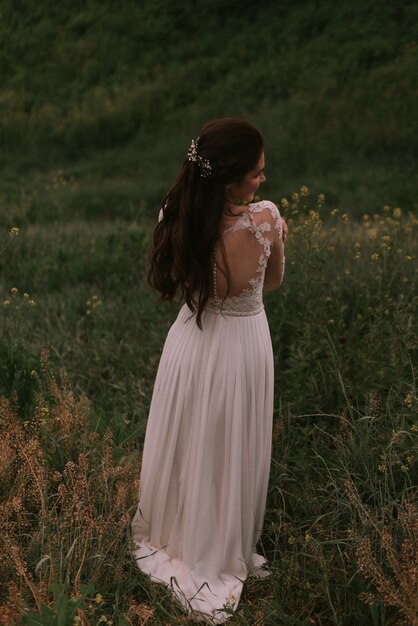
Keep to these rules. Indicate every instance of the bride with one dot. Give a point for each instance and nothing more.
(206, 456)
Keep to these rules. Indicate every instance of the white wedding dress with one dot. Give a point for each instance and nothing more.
(206, 456)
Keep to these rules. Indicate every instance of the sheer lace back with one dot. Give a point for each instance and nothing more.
(247, 240)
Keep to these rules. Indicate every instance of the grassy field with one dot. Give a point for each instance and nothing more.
(340, 530)
(98, 105)
(107, 98)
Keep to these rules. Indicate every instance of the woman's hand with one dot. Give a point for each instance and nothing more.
(285, 229)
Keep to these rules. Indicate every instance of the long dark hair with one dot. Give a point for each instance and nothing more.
(184, 240)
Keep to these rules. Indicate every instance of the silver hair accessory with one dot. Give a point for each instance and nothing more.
(204, 164)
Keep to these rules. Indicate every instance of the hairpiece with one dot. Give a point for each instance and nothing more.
(204, 164)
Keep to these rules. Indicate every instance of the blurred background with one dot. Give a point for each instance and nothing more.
(100, 100)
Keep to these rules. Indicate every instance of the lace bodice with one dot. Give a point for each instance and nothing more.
(248, 242)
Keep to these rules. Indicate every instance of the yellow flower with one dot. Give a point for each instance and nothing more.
(330, 322)
(357, 246)
(321, 197)
(385, 238)
(408, 400)
(291, 540)
(334, 212)
(386, 208)
(307, 537)
(34, 373)
(26, 296)
(32, 302)
(408, 258)
(295, 196)
(14, 290)
(409, 459)
(13, 232)
(6, 302)
(98, 598)
(284, 203)
(375, 256)
(397, 212)
(304, 191)
(382, 468)
(344, 217)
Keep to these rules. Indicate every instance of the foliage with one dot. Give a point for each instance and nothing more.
(344, 338)
(118, 92)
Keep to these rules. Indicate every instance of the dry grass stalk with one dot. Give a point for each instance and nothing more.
(60, 519)
(396, 576)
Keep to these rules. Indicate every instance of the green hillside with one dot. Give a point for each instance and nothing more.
(111, 94)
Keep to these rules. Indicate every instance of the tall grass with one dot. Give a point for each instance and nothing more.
(340, 530)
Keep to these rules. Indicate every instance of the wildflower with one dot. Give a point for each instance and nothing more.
(328, 299)
(98, 598)
(321, 197)
(397, 212)
(408, 258)
(291, 540)
(409, 459)
(14, 290)
(344, 217)
(375, 256)
(26, 296)
(33, 373)
(304, 191)
(381, 468)
(334, 212)
(386, 208)
(31, 302)
(357, 256)
(284, 203)
(357, 246)
(295, 196)
(6, 302)
(404, 468)
(307, 537)
(330, 322)
(408, 400)
(14, 232)
(385, 238)
(414, 428)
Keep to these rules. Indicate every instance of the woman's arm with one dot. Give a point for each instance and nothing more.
(273, 276)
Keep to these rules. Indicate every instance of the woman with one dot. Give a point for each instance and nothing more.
(207, 447)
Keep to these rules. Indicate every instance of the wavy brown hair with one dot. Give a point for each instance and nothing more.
(184, 240)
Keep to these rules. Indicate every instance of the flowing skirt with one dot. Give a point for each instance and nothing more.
(206, 461)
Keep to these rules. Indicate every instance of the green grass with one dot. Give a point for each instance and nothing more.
(98, 106)
(117, 93)
(344, 338)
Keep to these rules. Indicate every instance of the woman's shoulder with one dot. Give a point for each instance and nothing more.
(263, 205)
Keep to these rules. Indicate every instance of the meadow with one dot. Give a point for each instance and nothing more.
(98, 105)
(82, 334)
